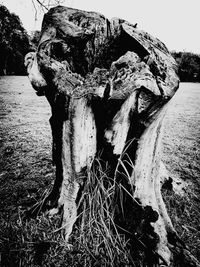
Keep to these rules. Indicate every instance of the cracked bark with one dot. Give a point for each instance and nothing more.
(108, 84)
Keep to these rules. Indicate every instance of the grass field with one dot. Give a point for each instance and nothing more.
(26, 171)
(181, 154)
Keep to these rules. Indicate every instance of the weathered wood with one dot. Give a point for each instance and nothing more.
(108, 84)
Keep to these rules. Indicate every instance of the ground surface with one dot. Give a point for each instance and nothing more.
(25, 152)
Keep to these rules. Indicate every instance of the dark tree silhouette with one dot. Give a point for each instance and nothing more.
(14, 43)
(188, 66)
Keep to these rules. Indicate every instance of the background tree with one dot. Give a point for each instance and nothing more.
(188, 66)
(14, 43)
(14, 40)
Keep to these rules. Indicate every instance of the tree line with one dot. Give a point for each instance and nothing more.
(15, 43)
(188, 66)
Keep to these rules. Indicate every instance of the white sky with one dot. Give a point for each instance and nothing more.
(174, 22)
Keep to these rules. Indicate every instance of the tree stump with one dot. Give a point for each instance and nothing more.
(108, 84)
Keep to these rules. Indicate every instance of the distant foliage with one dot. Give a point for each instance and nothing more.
(188, 66)
(14, 43)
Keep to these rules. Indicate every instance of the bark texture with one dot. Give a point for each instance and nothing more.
(108, 84)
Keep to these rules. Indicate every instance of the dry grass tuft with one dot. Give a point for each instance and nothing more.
(95, 240)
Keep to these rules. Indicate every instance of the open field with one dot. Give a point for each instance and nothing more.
(182, 132)
(25, 157)
(181, 154)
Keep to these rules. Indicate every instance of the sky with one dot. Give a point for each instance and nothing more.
(174, 22)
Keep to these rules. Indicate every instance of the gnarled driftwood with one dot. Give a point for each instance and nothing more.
(108, 84)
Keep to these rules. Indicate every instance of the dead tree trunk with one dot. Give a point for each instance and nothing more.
(108, 84)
